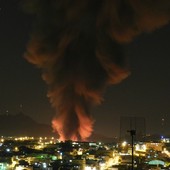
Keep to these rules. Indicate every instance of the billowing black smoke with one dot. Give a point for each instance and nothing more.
(77, 44)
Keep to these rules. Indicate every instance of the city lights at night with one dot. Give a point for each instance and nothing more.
(84, 84)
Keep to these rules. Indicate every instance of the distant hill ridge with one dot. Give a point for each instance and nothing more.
(23, 125)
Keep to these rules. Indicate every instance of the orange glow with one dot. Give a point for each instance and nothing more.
(86, 123)
(57, 125)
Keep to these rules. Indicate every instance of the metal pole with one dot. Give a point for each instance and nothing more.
(132, 133)
(132, 153)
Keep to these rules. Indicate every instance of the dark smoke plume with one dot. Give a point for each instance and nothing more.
(77, 44)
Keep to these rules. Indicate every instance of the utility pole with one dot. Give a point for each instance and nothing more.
(132, 133)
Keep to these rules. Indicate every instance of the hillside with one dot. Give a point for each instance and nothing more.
(23, 125)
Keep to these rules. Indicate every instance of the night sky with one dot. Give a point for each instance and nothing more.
(145, 93)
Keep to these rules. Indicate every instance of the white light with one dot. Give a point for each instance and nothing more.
(102, 164)
(90, 168)
(44, 165)
(8, 150)
(19, 168)
(87, 168)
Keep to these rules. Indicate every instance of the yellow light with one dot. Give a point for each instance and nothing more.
(16, 149)
(124, 144)
(21, 138)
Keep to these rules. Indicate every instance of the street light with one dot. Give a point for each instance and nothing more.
(132, 133)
